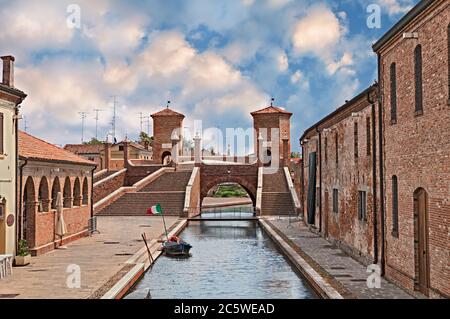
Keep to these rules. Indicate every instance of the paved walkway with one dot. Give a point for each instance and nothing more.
(100, 257)
(345, 274)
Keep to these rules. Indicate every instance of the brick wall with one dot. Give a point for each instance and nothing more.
(163, 126)
(109, 185)
(350, 175)
(41, 224)
(244, 175)
(417, 148)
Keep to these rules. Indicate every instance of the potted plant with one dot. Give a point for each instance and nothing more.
(23, 257)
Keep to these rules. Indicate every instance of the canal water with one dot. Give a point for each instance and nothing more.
(229, 260)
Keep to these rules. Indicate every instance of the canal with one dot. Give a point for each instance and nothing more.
(230, 259)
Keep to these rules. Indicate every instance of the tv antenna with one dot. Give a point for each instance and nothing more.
(97, 111)
(114, 117)
(83, 117)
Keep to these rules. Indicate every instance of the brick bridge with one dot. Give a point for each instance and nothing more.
(181, 185)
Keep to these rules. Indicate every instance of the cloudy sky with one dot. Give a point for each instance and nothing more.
(215, 60)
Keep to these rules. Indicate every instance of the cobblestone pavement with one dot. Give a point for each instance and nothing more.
(100, 257)
(346, 272)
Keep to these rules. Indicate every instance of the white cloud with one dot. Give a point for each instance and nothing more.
(395, 7)
(317, 32)
(346, 60)
(283, 62)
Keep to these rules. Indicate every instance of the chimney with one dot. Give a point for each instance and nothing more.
(8, 70)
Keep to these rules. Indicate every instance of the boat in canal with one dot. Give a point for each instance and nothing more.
(176, 247)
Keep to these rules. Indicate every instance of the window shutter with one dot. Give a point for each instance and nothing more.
(418, 77)
(393, 93)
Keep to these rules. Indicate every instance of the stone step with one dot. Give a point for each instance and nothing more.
(170, 181)
(275, 182)
(136, 204)
(277, 203)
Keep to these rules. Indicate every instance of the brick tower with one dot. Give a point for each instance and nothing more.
(165, 123)
(274, 121)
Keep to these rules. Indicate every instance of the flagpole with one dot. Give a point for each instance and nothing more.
(165, 228)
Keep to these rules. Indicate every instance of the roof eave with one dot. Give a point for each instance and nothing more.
(411, 15)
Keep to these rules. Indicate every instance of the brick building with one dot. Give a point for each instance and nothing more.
(89, 152)
(45, 170)
(339, 170)
(273, 125)
(415, 98)
(390, 203)
(165, 123)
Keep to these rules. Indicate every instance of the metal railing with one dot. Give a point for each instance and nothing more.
(227, 213)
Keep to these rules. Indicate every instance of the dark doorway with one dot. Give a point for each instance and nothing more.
(166, 158)
(421, 241)
(267, 158)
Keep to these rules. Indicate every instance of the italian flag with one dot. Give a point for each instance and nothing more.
(154, 210)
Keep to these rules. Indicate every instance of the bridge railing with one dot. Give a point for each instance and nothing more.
(234, 213)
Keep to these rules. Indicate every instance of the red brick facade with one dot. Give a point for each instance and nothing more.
(40, 184)
(164, 124)
(408, 201)
(417, 148)
(347, 171)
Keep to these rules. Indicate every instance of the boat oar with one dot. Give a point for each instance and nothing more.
(144, 237)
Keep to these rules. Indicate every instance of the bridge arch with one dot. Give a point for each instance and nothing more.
(244, 175)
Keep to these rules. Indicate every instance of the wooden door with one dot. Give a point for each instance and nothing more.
(421, 240)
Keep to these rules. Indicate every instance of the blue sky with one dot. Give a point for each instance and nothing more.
(215, 60)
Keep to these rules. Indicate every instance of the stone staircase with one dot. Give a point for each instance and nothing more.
(168, 190)
(104, 175)
(276, 197)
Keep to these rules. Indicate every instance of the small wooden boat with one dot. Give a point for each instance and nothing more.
(176, 247)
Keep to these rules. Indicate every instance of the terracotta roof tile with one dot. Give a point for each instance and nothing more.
(271, 110)
(34, 148)
(83, 148)
(167, 112)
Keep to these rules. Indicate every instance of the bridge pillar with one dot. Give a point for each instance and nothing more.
(259, 152)
(175, 146)
(285, 151)
(198, 151)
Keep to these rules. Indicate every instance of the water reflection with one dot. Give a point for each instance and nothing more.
(230, 259)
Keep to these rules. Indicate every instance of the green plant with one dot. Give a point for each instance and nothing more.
(23, 248)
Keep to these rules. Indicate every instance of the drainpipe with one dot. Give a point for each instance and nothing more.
(16, 168)
(20, 220)
(374, 180)
(320, 179)
(302, 178)
(380, 137)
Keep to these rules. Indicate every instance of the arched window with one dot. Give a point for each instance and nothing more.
(393, 77)
(85, 191)
(67, 193)
(56, 188)
(28, 207)
(43, 196)
(418, 79)
(77, 193)
(394, 206)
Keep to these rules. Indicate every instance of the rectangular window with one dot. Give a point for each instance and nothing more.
(393, 76)
(355, 140)
(326, 150)
(120, 148)
(335, 201)
(418, 79)
(394, 206)
(2, 149)
(362, 205)
(368, 142)
(2, 211)
(317, 196)
(336, 145)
